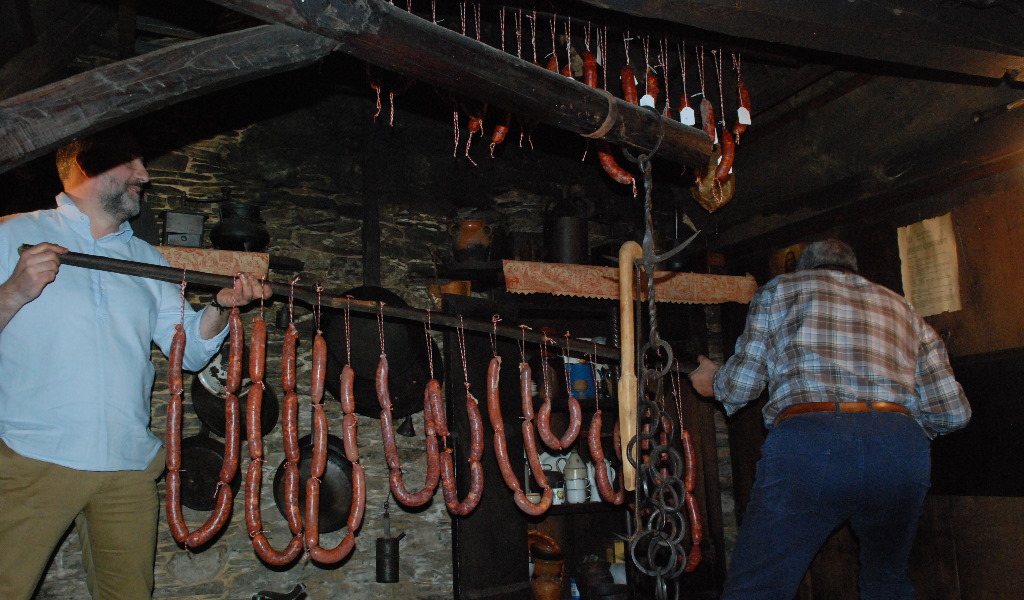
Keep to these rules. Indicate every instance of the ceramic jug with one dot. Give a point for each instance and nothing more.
(471, 241)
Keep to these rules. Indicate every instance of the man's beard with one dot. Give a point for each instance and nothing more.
(122, 204)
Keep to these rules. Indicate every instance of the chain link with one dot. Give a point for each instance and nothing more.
(660, 519)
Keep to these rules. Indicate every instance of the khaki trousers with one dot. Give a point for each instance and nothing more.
(115, 513)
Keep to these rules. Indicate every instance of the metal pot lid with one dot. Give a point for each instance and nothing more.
(201, 460)
(335, 485)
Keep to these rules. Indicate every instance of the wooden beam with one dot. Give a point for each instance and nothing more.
(389, 37)
(63, 37)
(988, 147)
(37, 122)
(907, 34)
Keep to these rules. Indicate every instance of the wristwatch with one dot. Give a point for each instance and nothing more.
(220, 307)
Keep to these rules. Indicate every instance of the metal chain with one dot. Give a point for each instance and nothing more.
(661, 526)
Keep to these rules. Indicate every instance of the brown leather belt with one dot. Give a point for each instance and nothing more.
(846, 407)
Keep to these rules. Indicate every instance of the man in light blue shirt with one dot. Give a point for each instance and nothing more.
(76, 376)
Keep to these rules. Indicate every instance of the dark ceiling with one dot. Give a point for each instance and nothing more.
(856, 104)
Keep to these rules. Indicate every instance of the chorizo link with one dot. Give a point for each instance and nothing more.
(707, 119)
(476, 471)
(604, 486)
(501, 446)
(254, 475)
(395, 477)
(254, 399)
(728, 156)
(348, 402)
(628, 85)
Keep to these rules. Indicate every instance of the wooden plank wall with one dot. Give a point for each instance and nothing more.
(988, 219)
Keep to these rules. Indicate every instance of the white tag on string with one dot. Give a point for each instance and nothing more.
(647, 100)
(743, 116)
(687, 116)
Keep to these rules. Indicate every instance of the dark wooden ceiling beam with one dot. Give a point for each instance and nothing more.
(391, 38)
(37, 122)
(988, 147)
(60, 40)
(904, 35)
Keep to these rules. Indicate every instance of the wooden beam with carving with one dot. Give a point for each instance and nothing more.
(906, 33)
(37, 122)
(389, 37)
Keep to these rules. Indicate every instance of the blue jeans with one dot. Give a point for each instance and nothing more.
(817, 471)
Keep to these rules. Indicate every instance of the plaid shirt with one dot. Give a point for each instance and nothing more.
(828, 336)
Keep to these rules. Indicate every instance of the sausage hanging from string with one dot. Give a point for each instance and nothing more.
(476, 449)
(396, 479)
(229, 466)
(254, 477)
(501, 445)
(319, 462)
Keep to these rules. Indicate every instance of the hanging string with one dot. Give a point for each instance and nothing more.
(455, 123)
(603, 45)
(565, 367)
(380, 326)
(433, 11)
(318, 307)
(494, 334)
(544, 364)
(593, 375)
(645, 41)
(263, 279)
(462, 13)
(681, 53)
(522, 344)
(502, 19)
(291, 301)
(663, 61)
(721, 94)
(568, 45)
(182, 292)
(700, 71)
(533, 34)
(348, 330)
(430, 349)
(460, 333)
(476, 16)
(518, 16)
(677, 392)
(554, 45)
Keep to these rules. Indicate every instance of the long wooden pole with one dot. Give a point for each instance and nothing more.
(312, 298)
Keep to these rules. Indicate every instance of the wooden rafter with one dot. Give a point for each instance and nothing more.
(37, 122)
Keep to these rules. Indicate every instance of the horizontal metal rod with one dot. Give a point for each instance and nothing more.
(313, 298)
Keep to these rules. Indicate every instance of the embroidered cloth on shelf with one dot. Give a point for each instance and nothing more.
(220, 262)
(586, 281)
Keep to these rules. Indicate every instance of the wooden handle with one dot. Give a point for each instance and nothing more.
(627, 388)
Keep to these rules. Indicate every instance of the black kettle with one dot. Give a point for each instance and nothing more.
(240, 226)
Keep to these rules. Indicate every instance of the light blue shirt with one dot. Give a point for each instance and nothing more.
(75, 369)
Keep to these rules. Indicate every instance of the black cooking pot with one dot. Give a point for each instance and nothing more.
(201, 460)
(240, 228)
(406, 347)
(335, 485)
(208, 397)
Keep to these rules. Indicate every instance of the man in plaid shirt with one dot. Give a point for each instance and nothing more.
(858, 384)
